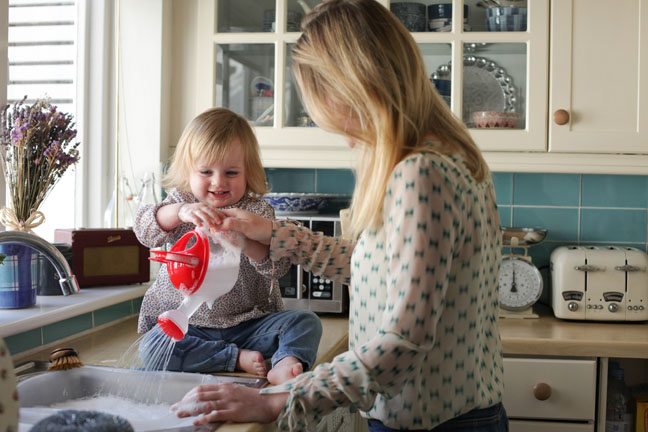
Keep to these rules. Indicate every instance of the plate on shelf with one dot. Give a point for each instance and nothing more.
(487, 86)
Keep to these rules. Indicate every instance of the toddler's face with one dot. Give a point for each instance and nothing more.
(220, 184)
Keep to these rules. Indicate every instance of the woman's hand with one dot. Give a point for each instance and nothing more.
(252, 226)
(229, 402)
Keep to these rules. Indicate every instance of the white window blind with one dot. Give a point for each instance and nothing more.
(42, 56)
(42, 51)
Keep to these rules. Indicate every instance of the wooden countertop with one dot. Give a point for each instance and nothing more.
(549, 335)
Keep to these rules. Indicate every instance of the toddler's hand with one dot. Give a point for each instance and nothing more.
(200, 214)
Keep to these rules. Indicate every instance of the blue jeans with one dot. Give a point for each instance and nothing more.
(294, 333)
(491, 419)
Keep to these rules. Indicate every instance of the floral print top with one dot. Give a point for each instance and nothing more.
(424, 343)
(253, 296)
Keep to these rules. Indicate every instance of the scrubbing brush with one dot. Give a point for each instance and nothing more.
(64, 358)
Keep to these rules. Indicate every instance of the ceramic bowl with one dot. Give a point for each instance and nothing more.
(411, 14)
(303, 203)
(506, 19)
(494, 119)
(444, 10)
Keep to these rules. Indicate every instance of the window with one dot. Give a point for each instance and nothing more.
(42, 56)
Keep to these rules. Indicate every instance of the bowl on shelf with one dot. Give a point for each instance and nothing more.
(509, 18)
(411, 14)
(494, 119)
(305, 203)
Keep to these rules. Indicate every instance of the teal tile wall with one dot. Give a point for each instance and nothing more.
(330, 181)
(51, 333)
(587, 209)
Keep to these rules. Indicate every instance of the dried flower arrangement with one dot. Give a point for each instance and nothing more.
(37, 147)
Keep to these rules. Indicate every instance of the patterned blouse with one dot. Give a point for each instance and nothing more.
(424, 343)
(253, 295)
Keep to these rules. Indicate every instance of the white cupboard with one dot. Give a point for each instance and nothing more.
(583, 58)
(598, 100)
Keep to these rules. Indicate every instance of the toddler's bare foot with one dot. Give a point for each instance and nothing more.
(286, 369)
(251, 362)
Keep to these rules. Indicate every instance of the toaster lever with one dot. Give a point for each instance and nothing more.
(588, 268)
(627, 268)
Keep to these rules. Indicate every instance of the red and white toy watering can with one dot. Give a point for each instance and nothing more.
(202, 273)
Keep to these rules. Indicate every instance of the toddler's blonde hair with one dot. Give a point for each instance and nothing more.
(210, 136)
(356, 60)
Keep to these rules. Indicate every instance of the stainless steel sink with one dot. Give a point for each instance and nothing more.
(37, 392)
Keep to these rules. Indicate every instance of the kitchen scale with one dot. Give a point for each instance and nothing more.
(520, 281)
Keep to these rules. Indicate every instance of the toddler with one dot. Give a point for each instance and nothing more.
(216, 165)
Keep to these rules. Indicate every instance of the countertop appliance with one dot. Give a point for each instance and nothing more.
(599, 283)
(301, 289)
(106, 256)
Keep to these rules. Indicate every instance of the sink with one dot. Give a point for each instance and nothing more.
(142, 397)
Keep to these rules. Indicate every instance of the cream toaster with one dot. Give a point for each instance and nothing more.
(599, 283)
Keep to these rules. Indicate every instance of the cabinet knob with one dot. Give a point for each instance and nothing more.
(561, 117)
(542, 391)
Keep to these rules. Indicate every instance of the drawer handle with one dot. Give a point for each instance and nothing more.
(542, 391)
(561, 117)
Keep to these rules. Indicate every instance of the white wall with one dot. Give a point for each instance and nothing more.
(143, 82)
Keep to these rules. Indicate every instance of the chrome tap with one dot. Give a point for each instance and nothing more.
(67, 280)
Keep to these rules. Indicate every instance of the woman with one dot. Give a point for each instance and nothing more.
(424, 346)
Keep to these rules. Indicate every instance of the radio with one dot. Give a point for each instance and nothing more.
(106, 256)
(599, 283)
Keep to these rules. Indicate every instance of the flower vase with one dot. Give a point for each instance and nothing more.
(18, 276)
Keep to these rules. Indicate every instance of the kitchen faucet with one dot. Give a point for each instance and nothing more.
(67, 280)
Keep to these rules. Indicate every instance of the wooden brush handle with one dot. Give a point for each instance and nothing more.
(62, 352)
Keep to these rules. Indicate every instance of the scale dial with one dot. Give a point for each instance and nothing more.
(520, 284)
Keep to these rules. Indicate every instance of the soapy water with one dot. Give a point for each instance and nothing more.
(141, 416)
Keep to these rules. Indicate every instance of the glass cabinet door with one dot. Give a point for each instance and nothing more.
(488, 59)
(437, 58)
(247, 69)
(245, 80)
(242, 16)
(495, 79)
(295, 113)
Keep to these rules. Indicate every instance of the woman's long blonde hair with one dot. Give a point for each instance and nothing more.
(210, 136)
(356, 62)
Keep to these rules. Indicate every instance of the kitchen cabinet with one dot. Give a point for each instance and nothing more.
(598, 96)
(494, 65)
(243, 57)
(635, 377)
(580, 58)
(550, 394)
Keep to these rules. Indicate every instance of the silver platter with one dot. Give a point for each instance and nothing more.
(487, 86)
